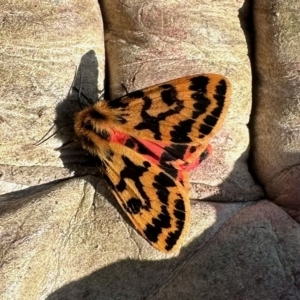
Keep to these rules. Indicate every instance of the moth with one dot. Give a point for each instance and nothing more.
(148, 141)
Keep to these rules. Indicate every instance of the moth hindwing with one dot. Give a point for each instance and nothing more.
(148, 141)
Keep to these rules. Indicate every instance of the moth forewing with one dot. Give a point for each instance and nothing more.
(157, 204)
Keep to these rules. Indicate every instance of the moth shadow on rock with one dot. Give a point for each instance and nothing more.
(83, 93)
(84, 83)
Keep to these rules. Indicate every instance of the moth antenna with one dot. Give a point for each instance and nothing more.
(42, 140)
(65, 144)
(101, 93)
(80, 87)
(124, 88)
(83, 95)
(72, 85)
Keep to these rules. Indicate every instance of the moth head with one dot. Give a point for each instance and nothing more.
(91, 129)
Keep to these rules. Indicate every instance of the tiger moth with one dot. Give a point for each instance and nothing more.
(148, 141)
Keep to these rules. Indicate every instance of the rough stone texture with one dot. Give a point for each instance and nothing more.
(62, 244)
(67, 238)
(277, 101)
(41, 47)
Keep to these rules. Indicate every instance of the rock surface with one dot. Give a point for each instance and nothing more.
(276, 134)
(62, 234)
